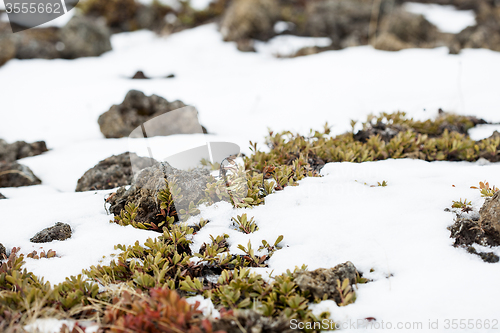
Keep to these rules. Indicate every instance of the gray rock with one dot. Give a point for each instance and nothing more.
(323, 281)
(112, 172)
(150, 181)
(137, 109)
(84, 37)
(7, 49)
(60, 231)
(2, 196)
(490, 216)
(20, 149)
(253, 322)
(15, 175)
(249, 19)
(36, 43)
(3, 252)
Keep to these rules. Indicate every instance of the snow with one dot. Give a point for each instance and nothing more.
(447, 18)
(398, 230)
(483, 131)
(288, 45)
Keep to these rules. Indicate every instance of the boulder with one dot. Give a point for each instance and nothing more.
(41, 43)
(138, 108)
(486, 33)
(112, 172)
(323, 281)
(14, 174)
(346, 22)
(7, 49)
(490, 216)
(20, 149)
(249, 19)
(84, 37)
(143, 192)
(401, 29)
(60, 231)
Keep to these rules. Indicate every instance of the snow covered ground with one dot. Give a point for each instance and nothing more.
(399, 231)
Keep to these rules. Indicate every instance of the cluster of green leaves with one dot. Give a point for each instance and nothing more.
(244, 224)
(24, 293)
(430, 140)
(486, 190)
(461, 204)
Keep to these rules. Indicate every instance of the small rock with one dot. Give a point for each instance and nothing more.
(490, 216)
(323, 281)
(7, 49)
(112, 172)
(140, 76)
(20, 149)
(15, 175)
(170, 76)
(84, 37)
(251, 321)
(2, 196)
(489, 257)
(3, 252)
(60, 231)
(150, 181)
(137, 109)
(245, 45)
(39, 43)
(249, 19)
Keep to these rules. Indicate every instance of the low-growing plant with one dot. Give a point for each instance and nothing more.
(35, 255)
(244, 224)
(347, 295)
(485, 189)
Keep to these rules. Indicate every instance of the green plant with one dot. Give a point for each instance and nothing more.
(244, 224)
(464, 205)
(347, 295)
(485, 189)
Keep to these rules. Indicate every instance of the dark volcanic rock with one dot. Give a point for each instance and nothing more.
(112, 172)
(251, 321)
(149, 182)
(84, 37)
(3, 252)
(490, 216)
(7, 49)
(20, 149)
(400, 30)
(15, 175)
(2, 196)
(138, 108)
(140, 76)
(249, 19)
(36, 43)
(323, 281)
(60, 231)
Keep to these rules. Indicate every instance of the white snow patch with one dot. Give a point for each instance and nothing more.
(288, 45)
(483, 131)
(447, 18)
